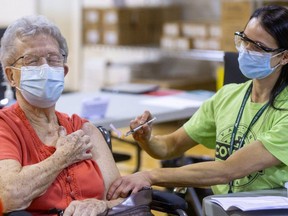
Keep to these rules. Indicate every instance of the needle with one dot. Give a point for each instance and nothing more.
(139, 127)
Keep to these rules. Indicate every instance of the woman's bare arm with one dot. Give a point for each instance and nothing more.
(102, 154)
(19, 185)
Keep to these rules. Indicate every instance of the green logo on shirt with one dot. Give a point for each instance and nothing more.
(223, 147)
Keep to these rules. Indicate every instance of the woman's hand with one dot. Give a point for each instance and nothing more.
(125, 185)
(142, 135)
(86, 207)
(74, 147)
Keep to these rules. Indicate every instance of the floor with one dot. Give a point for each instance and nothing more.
(147, 162)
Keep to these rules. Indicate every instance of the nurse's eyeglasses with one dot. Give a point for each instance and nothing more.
(241, 41)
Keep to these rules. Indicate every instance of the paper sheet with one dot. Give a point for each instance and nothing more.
(252, 203)
(172, 101)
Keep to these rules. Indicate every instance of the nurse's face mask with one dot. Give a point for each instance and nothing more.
(255, 59)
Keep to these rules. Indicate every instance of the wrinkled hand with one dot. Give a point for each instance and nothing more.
(86, 207)
(125, 185)
(74, 147)
(142, 135)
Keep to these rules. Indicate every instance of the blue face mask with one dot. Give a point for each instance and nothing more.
(41, 86)
(255, 65)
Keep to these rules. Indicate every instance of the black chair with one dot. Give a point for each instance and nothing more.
(2, 87)
(119, 157)
(193, 196)
(232, 73)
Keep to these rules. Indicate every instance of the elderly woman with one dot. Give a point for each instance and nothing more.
(47, 159)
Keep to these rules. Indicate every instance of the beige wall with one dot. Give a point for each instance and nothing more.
(13, 9)
(66, 15)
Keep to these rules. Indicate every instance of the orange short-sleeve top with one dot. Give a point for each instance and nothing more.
(19, 141)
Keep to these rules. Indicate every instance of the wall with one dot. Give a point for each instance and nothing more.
(109, 65)
(13, 9)
(65, 14)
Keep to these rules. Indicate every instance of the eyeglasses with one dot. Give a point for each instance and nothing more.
(53, 59)
(241, 41)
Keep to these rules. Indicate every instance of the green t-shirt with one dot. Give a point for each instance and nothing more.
(212, 126)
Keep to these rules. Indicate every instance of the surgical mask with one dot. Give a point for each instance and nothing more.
(41, 86)
(255, 65)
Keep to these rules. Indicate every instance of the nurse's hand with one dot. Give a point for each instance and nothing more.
(142, 135)
(126, 185)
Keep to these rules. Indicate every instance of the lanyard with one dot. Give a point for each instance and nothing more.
(239, 116)
(254, 120)
(237, 122)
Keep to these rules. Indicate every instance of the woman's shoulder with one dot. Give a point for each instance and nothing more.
(12, 112)
(234, 88)
(75, 122)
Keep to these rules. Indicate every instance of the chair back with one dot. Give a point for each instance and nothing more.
(2, 88)
(107, 136)
(232, 72)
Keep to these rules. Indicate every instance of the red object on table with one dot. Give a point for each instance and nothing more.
(165, 92)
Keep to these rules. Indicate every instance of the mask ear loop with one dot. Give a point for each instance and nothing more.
(19, 89)
(281, 60)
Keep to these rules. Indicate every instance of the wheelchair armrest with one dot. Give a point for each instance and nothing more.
(18, 213)
(167, 202)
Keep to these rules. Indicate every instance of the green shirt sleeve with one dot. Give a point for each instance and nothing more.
(274, 134)
(201, 126)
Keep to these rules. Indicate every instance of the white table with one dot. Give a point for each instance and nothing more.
(123, 108)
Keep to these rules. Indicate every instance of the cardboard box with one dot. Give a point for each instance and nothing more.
(92, 35)
(192, 29)
(123, 35)
(125, 15)
(236, 10)
(214, 30)
(172, 29)
(91, 26)
(234, 17)
(283, 3)
(92, 17)
(227, 39)
(207, 43)
(183, 43)
(115, 35)
(126, 26)
(169, 43)
(170, 13)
